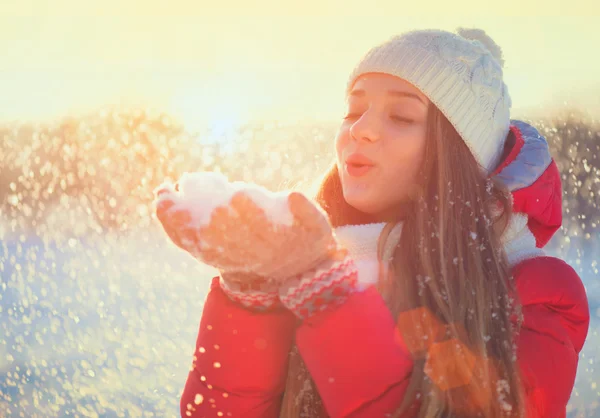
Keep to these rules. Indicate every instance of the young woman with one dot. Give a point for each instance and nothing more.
(417, 285)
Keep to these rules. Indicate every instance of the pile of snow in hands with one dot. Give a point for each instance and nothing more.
(201, 193)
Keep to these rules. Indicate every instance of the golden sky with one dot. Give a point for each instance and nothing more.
(230, 61)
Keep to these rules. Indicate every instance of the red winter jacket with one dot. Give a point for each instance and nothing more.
(240, 360)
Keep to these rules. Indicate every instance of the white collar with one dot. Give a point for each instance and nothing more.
(361, 241)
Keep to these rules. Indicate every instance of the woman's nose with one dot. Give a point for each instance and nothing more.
(366, 128)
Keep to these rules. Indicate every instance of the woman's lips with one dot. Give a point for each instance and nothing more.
(356, 170)
(358, 165)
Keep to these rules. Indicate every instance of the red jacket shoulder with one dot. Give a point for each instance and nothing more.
(552, 282)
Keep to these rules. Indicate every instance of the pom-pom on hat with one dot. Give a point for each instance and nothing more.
(461, 73)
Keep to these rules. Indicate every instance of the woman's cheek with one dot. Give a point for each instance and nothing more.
(340, 143)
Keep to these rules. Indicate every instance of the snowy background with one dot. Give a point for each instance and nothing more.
(99, 313)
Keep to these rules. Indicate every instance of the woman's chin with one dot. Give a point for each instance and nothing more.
(361, 203)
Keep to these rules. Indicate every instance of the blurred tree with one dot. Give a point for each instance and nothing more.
(110, 162)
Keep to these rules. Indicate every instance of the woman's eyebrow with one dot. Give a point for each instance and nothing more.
(396, 93)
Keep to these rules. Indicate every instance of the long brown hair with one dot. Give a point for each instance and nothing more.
(449, 285)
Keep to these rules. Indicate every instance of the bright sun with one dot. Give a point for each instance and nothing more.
(214, 117)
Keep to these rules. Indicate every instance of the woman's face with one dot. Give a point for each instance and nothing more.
(381, 142)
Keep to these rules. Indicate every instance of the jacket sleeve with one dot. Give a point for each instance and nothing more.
(555, 325)
(361, 366)
(240, 360)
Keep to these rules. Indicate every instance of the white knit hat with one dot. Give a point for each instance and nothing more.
(461, 74)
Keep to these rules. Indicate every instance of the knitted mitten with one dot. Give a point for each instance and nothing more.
(250, 290)
(243, 235)
(301, 258)
(321, 288)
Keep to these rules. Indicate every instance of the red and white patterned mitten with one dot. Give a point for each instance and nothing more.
(251, 291)
(321, 288)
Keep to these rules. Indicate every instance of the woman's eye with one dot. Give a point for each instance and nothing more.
(401, 119)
